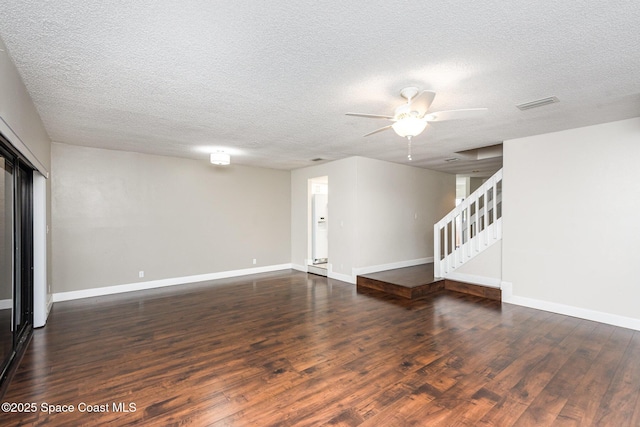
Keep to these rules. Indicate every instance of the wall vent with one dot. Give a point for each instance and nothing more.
(538, 103)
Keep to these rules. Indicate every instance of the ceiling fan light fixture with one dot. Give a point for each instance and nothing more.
(409, 126)
(220, 158)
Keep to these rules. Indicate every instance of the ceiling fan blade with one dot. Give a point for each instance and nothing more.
(369, 116)
(422, 101)
(378, 130)
(468, 113)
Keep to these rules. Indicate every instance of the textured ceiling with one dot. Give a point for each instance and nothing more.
(270, 81)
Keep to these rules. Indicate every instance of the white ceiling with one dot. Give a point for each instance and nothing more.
(270, 81)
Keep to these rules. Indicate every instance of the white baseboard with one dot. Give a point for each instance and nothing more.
(330, 273)
(568, 310)
(139, 286)
(489, 282)
(342, 277)
(383, 267)
(299, 267)
(355, 272)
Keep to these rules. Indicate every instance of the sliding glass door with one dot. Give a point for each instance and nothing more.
(6, 259)
(23, 261)
(16, 256)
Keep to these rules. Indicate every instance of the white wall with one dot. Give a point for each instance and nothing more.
(116, 213)
(571, 233)
(372, 214)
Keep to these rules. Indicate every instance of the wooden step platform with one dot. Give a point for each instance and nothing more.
(417, 282)
(409, 282)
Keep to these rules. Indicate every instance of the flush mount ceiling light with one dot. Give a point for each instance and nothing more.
(411, 119)
(220, 158)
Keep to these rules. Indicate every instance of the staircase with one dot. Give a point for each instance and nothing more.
(473, 226)
(470, 228)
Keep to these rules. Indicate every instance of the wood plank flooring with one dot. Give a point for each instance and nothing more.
(291, 349)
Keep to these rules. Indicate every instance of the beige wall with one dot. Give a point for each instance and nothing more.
(20, 122)
(474, 184)
(397, 208)
(571, 203)
(485, 268)
(116, 213)
(372, 212)
(341, 208)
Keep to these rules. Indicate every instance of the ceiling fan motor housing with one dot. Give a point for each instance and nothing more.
(405, 111)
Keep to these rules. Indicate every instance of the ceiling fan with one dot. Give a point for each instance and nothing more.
(411, 119)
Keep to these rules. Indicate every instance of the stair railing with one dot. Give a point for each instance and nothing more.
(471, 227)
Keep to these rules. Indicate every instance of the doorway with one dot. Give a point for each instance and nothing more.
(318, 258)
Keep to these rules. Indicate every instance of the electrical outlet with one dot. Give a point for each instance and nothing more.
(140, 274)
(255, 261)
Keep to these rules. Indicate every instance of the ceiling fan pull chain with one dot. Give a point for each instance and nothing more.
(409, 148)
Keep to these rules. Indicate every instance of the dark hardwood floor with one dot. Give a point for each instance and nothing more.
(292, 349)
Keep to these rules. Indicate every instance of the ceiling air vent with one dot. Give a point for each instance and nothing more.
(538, 103)
(317, 159)
(451, 159)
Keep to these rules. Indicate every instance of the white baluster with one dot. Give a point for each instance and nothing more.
(454, 242)
(436, 251)
(446, 247)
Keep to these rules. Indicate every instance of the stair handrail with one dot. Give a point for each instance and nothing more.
(470, 227)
